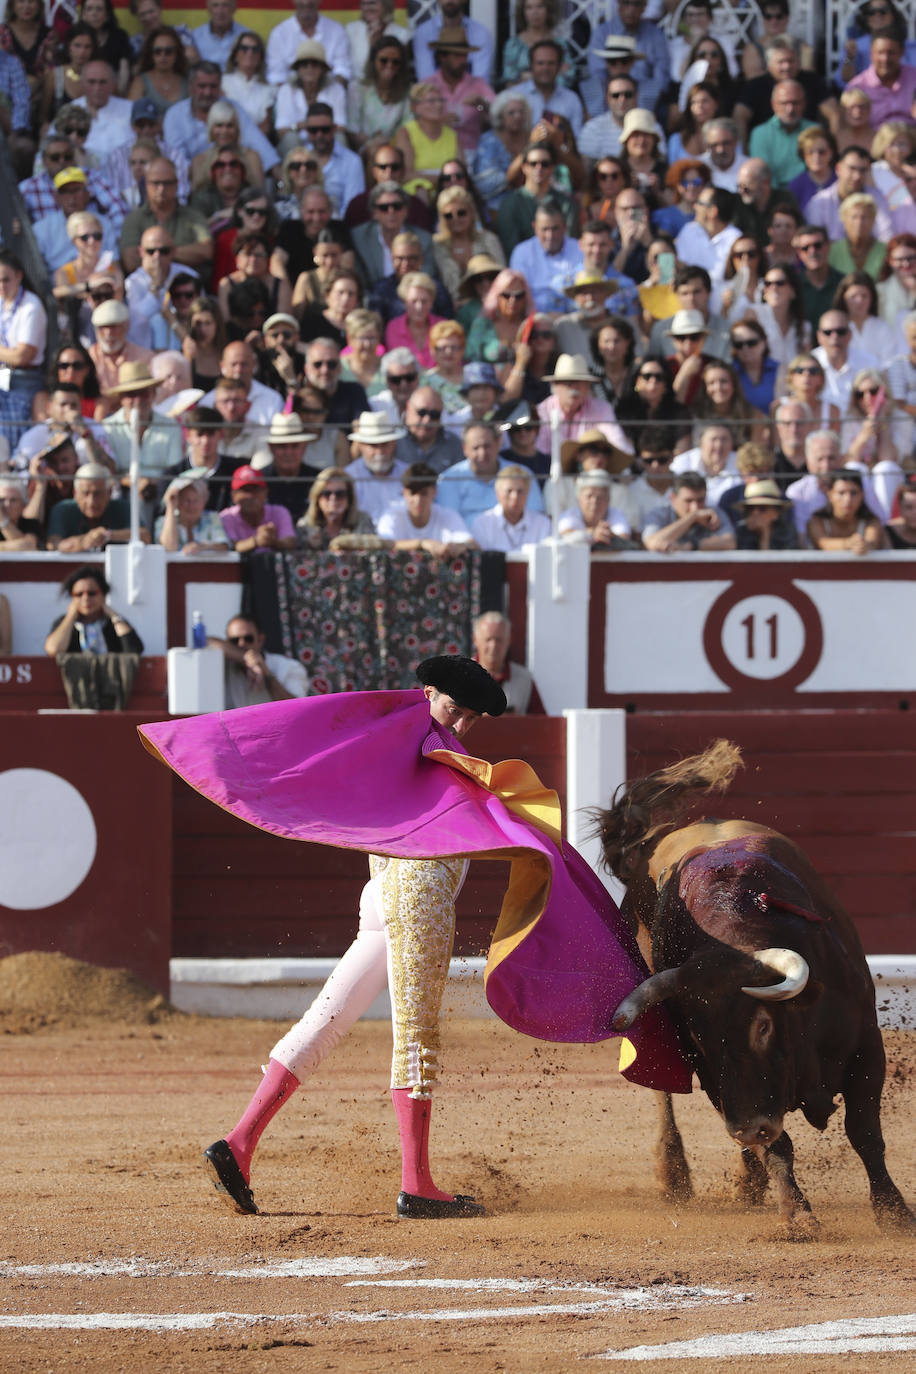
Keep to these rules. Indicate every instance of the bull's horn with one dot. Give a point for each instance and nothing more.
(787, 962)
(653, 990)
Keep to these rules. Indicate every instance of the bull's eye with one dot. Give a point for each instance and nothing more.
(760, 1034)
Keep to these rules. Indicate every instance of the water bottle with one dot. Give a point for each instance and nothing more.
(198, 631)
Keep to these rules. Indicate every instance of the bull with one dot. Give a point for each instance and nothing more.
(766, 978)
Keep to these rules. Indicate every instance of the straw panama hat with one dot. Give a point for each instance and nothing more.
(571, 367)
(132, 377)
(374, 427)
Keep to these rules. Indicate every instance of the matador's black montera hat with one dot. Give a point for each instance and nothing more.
(465, 681)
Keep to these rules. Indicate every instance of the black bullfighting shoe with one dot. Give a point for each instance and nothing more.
(422, 1208)
(228, 1178)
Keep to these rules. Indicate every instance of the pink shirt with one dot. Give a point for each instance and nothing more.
(887, 102)
(594, 414)
(236, 528)
(397, 335)
(466, 121)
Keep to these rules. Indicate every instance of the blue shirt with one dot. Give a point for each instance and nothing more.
(563, 102)
(213, 48)
(460, 490)
(182, 130)
(763, 393)
(14, 85)
(344, 177)
(55, 246)
(548, 275)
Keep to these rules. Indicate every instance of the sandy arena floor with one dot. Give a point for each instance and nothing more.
(117, 1255)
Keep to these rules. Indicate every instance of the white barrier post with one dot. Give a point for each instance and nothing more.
(596, 765)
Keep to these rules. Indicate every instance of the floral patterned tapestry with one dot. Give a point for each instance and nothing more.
(362, 621)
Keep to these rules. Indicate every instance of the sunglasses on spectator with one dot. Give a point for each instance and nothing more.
(805, 371)
(454, 176)
(651, 376)
(429, 414)
(689, 338)
(92, 237)
(541, 334)
(694, 181)
(309, 166)
(254, 210)
(747, 343)
(775, 281)
(390, 205)
(511, 295)
(332, 364)
(248, 47)
(387, 166)
(613, 175)
(100, 296)
(839, 331)
(334, 494)
(866, 391)
(240, 639)
(157, 250)
(403, 378)
(319, 129)
(455, 214)
(650, 459)
(184, 293)
(166, 51)
(65, 364)
(231, 162)
(812, 246)
(621, 95)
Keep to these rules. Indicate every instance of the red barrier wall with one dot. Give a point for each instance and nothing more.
(120, 914)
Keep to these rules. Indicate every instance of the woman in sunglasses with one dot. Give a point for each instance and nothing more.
(300, 169)
(162, 72)
(252, 254)
(507, 304)
(608, 176)
(224, 136)
(310, 80)
(535, 355)
(782, 314)
(85, 232)
(742, 288)
(377, 105)
(867, 439)
(684, 180)
(460, 237)
(648, 400)
(845, 523)
(805, 382)
(245, 82)
(756, 371)
(332, 510)
(72, 364)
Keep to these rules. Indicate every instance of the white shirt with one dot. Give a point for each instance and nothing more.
(288, 671)
(715, 486)
(727, 179)
(143, 300)
(110, 127)
(838, 386)
(694, 246)
(286, 37)
(358, 38)
(265, 403)
(445, 525)
(25, 323)
(216, 47)
(492, 530)
(292, 106)
(375, 494)
(38, 437)
(252, 95)
(572, 522)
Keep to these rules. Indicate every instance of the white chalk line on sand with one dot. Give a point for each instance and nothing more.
(135, 1268)
(854, 1335)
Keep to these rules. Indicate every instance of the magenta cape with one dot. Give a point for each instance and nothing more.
(372, 771)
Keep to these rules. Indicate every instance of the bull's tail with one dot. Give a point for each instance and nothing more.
(644, 810)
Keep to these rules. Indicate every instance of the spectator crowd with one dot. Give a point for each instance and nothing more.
(369, 286)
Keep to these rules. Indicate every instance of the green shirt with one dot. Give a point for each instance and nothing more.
(66, 519)
(779, 149)
(185, 226)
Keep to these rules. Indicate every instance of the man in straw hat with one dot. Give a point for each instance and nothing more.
(576, 407)
(688, 333)
(466, 96)
(765, 522)
(652, 65)
(160, 436)
(591, 293)
(376, 473)
(451, 13)
(289, 476)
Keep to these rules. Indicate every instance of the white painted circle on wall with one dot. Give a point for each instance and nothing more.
(48, 838)
(763, 636)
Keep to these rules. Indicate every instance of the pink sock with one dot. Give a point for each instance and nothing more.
(413, 1115)
(277, 1085)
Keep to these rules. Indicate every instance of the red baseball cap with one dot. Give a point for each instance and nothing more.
(247, 477)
